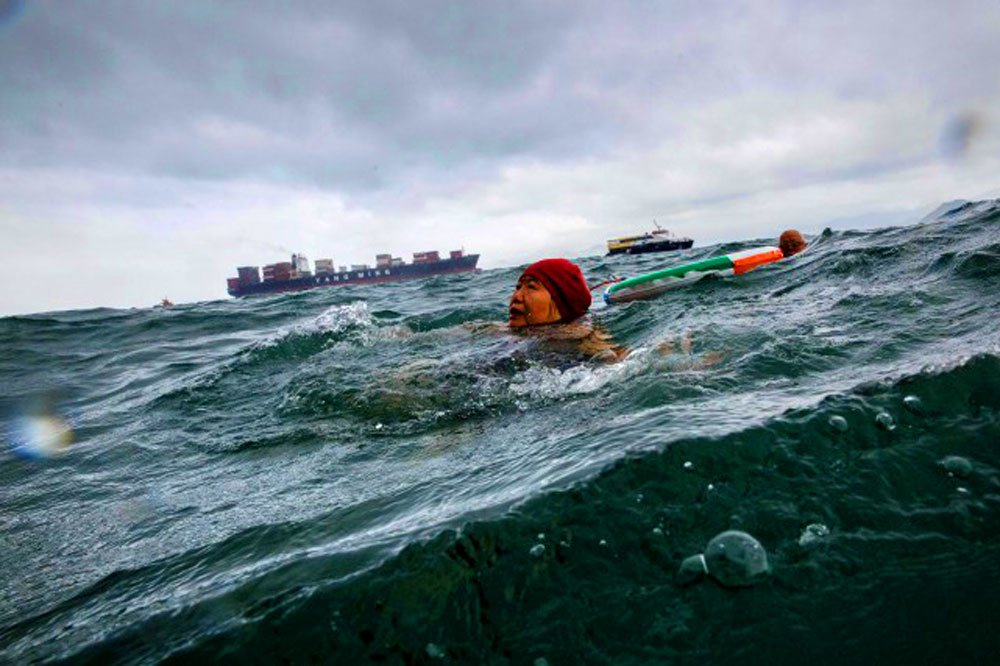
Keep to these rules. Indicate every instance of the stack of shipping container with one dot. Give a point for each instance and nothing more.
(279, 271)
(426, 257)
(248, 275)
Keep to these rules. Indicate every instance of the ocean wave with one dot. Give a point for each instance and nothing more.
(380, 473)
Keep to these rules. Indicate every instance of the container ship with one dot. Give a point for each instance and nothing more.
(295, 275)
(657, 240)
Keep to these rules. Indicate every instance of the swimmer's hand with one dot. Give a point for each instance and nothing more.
(612, 355)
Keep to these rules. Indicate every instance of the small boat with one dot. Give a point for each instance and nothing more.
(166, 303)
(657, 240)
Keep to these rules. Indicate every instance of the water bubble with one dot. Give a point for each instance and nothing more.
(962, 490)
(434, 651)
(602, 543)
(537, 550)
(378, 426)
(688, 465)
(884, 421)
(838, 423)
(658, 531)
(541, 536)
(956, 466)
(541, 661)
(711, 486)
(638, 498)
(692, 570)
(813, 534)
(736, 559)
(914, 404)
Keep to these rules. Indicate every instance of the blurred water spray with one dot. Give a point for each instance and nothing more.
(958, 134)
(40, 431)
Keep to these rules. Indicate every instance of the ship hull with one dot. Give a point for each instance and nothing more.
(655, 246)
(377, 275)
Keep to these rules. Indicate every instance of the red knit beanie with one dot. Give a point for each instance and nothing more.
(564, 281)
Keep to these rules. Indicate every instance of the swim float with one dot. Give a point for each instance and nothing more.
(657, 282)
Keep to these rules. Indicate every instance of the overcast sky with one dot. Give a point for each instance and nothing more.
(147, 148)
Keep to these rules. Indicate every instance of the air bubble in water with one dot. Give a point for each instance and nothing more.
(813, 533)
(692, 569)
(733, 558)
(956, 466)
(838, 423)
(884, 421)
(537, 550)
(736, 559)
(914, 404)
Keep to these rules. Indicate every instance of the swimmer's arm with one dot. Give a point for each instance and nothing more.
(488, 327)
(599, 346)
(688, 360)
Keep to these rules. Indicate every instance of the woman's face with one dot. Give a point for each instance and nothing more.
(531, 304)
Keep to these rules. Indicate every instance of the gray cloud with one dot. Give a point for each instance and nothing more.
(451, 117)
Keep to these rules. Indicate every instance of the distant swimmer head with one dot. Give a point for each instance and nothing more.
(549, 291)
(791, 242)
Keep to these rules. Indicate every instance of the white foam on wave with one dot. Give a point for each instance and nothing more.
(552, 383)
(353, 318)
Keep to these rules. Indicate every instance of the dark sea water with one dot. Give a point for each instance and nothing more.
(365, 474)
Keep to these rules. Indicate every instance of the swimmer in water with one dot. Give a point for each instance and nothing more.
(549, 291)
(553, 291)
(791, 242)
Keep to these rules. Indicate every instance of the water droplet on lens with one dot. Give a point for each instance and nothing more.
(956, 466)
(537, 550)
(914, 404)
(736, 559)
(884, 421)
(813, 533)
(838, 423)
